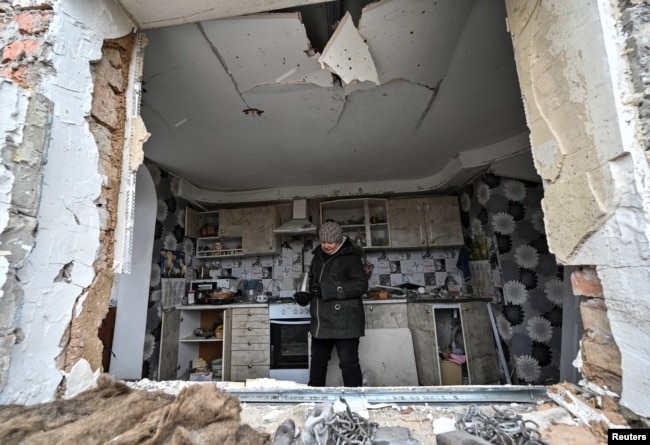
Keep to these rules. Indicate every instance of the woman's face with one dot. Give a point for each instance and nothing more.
(329, 248)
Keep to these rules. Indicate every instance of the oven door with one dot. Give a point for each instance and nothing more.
(290, 344)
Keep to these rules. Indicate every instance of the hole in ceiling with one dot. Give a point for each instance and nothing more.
(320, 19)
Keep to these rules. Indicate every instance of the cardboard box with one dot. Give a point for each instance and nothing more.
(451, 373)
(201, 377)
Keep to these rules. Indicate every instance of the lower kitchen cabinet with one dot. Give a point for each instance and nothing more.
(250, 350)
(385, 315)
(461, 327)
(192, 347)
(385, 351)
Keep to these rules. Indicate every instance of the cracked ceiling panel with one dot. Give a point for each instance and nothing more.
(266, 49)
(413, 40)
(150, 14)
(380, 122)
(184, 97)
(481, 89)
(347, 55)
(238, 103)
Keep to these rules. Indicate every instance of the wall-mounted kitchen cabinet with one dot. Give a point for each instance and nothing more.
(364, 221)
(258, 225)
(425, 222)
(241, 231)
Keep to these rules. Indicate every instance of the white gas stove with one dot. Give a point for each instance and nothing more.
(287, 310)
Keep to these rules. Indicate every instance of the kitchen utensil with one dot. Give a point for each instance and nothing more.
(202, 273)
(262, 298)
(303, 281)
(220, 300)
(303, 296)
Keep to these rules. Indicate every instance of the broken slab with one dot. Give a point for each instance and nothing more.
(347, 55)
(265, 49)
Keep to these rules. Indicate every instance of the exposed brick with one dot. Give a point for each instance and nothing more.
(604, 355)
(106, 105)
(18, 75)
(20, 49)
(112, 75)
(594, 316)
(33, 22)
(586, 282)
(114, 57)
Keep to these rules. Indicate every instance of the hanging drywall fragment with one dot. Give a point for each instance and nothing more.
(347, 55)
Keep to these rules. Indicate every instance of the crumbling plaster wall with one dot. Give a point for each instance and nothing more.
(577, 74)
(55, 186)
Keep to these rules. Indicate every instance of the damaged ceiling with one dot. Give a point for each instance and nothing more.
(395, 95)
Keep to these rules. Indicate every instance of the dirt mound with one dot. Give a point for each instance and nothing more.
(200, 414)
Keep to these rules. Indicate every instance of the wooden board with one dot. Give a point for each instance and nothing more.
(387, 359)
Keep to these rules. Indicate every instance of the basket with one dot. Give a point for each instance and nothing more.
(220, 297)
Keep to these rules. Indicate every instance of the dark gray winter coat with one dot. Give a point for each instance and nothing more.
(338, 311)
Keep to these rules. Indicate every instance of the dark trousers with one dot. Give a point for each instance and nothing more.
(348, 352)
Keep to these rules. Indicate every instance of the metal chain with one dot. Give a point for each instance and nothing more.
(350, 428)
(503, 428)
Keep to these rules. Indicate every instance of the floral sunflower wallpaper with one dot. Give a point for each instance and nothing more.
(169, 236)
(503, 225)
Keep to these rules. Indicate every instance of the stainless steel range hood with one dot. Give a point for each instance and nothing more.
(299, 224)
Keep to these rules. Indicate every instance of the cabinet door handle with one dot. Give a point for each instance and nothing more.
(427, 311)
(250, 342)
(250, 329)
(250, 365)
(371, 308)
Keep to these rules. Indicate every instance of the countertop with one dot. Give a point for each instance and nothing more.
(391, 300)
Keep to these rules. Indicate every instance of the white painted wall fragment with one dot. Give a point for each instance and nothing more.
(587, 148)
(133, 288)
(347, 55)
(80, 378)
(68, 218)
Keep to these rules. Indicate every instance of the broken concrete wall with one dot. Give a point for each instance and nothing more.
(600, 358)
(53, 184)
(580, 90)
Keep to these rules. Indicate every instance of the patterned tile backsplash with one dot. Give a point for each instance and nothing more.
(423, 267)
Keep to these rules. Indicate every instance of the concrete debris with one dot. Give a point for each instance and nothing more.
(347, 55)
(394, 436)
(285, 433)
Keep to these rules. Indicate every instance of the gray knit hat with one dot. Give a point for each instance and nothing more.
(330, 232)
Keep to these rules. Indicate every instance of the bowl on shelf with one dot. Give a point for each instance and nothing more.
(203, 332)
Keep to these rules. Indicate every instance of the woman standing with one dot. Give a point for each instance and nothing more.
(337, 283)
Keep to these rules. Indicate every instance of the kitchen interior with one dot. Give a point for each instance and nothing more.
(402, 121)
